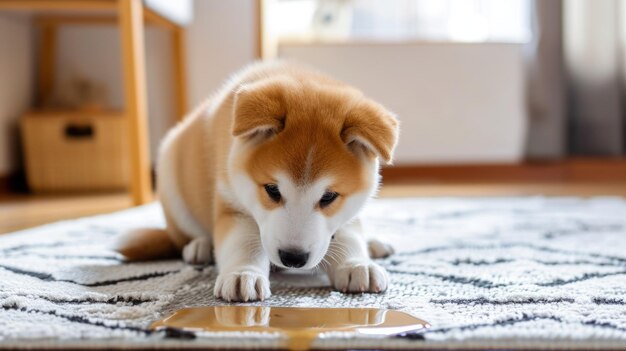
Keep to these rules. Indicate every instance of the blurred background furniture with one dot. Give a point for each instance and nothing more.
(68, 151)
(129, 16)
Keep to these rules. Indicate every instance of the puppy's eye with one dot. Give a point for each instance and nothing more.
(273, 192)
(328, 198)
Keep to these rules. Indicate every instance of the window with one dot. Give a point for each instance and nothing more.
(398, 20)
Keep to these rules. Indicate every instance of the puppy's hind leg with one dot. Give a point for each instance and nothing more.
(196, 249)
(199, 252)
(379, 249)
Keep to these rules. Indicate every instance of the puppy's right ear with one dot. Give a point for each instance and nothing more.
(259, 108)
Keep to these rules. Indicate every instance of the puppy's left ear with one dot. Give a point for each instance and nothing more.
(370, 127)
(259, 107)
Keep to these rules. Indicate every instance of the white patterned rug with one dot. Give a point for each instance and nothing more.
(506, 272)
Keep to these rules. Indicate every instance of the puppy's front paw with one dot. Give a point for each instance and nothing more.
(379, 249)
(198, 252)
(242, 286)
(361, 276)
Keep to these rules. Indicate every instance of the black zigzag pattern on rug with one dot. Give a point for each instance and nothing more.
(49, 278)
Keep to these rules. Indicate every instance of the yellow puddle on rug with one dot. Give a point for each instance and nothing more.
(301, 326)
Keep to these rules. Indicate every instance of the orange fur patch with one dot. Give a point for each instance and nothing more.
(145, 244)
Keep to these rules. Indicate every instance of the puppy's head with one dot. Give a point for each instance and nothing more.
(305, 161)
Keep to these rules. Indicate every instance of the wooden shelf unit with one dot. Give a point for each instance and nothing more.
(129, 16)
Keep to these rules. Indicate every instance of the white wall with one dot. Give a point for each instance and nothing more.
(15, 85)
(456, 102)
(221, 40)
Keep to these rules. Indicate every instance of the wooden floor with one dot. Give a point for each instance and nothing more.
(23, 211)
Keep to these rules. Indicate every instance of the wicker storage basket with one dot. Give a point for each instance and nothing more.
(75, 151)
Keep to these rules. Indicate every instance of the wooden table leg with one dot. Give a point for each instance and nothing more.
(133, 53)
(180, 72)
(47, 62)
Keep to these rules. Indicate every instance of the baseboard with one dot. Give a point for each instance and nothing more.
(570, 170)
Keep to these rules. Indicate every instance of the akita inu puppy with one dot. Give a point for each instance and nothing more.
(273, 169)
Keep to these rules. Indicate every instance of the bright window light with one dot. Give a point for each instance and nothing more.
(435, 20)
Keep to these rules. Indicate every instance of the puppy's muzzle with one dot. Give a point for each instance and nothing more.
(293, 257)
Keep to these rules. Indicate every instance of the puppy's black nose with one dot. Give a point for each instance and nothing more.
(293, 258)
